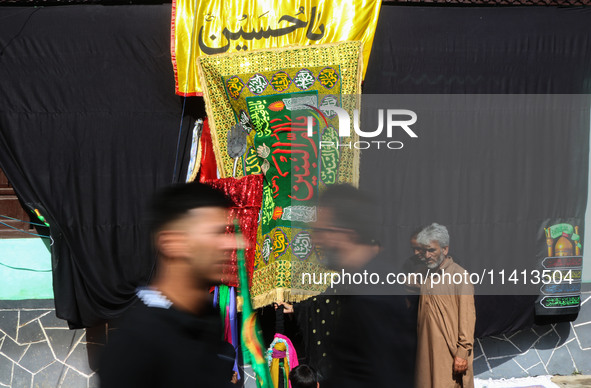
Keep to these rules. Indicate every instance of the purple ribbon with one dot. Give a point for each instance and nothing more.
(279, 354)
(234, 326)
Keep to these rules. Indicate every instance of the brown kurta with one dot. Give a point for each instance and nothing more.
(445, 329)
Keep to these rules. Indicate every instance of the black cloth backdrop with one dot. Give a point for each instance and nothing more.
(89, 126)
(481, 50)
(493, 190)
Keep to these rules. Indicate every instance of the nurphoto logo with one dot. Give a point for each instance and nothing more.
(394, 119)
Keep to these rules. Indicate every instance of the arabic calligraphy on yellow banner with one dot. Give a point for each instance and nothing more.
(222, 26)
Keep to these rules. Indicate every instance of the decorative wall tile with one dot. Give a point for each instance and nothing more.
(503, 366)
(37, 357)
(62, 341)
(28, 316)
(537, 370)
(13, 350)
(30, 333)
(9, 322)
(561, 348)
(481, 368)
(21, 378)
(582, 358)
(528, 359)
(74, 379)
(78, 360)
(5, 370)
(498, 348)
(50, 321)
(248, 377)
(38, 350)
(585, 313)
(583, 334)
(93, 381)
(524, 339)
(561, 362)
(50, 376)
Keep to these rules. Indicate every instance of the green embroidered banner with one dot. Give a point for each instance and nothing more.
(285, 110)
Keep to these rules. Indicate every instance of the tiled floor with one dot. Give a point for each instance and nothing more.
(558, 349)
(38, 350)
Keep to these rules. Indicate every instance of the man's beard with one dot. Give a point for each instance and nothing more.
(437, 263)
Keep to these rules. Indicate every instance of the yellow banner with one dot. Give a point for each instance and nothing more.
(225, 26)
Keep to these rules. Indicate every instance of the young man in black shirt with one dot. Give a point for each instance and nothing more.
(171, 337)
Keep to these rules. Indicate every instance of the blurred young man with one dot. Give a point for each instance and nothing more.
(171, 338)
(446, 318)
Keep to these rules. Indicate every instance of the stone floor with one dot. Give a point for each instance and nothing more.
(557, 349)
(38, 350)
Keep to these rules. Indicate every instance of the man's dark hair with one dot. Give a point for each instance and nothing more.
(416, 232)
(303, 376)
(174, 202)
(351, 209)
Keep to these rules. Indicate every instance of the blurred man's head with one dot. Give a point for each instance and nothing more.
(416, 248)
(189, 223)
(434, 240)
(346, 222)
(303, 376)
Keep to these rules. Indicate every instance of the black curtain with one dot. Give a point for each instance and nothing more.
(90, 127)
(459, 49)
(494, 187)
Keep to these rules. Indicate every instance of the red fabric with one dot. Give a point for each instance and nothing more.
(247, 194)
(208, 163)
(227, 327)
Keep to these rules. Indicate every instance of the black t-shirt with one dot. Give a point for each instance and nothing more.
(159, 347)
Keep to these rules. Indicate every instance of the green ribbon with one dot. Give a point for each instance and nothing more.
(223, 300)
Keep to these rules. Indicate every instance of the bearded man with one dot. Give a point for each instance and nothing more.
(446, 317)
